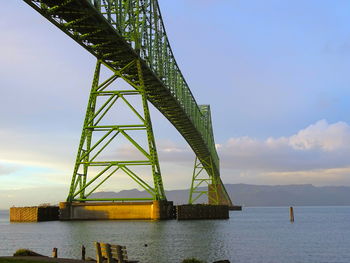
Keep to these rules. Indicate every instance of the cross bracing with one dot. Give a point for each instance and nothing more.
(118, 32)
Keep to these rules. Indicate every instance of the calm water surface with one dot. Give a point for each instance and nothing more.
(319, 234)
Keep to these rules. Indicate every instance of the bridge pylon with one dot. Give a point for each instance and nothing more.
(100, 129)
(205, 183)
(217, 194)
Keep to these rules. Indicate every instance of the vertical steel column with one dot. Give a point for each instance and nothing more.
(86, 133)
(157, 178)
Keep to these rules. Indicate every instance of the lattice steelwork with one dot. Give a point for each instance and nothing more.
(118, 32)
(90, 151)
(199, 178)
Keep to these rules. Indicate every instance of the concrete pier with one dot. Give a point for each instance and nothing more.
(33, 213)
(235, 208)
(201, 211)
(155, 210)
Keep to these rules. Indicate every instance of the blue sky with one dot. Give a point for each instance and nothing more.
(276, 74)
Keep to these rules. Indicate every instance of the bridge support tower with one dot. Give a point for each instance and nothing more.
(206, 183)
(101, 128)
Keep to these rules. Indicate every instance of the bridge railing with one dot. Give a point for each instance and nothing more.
(140, 23)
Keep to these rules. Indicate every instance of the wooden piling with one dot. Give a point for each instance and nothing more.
(108, 252)
(291, 214)
(99, 258)
(119, 254)
(54, 252)
(83, 252)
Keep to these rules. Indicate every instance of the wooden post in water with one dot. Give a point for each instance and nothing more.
(108, 252)
(119, 254)
(291, 214)
(82, 252)
(99, 258)
(54, 252)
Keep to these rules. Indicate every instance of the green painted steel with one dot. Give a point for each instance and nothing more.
(119, 31)
(98, 134)
(199, 178)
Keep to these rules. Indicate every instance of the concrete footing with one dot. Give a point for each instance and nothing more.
(33, 213)
(188, 212)
(155, 210)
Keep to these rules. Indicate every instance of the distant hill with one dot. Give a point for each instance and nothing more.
(259, 195)
(284, 195)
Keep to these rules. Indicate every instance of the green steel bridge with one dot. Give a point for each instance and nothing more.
(128, 38)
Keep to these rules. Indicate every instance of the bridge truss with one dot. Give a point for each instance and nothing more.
(128, 37)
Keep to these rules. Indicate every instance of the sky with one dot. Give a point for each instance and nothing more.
(276, 74)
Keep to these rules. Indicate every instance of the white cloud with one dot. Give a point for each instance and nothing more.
(320, 149)
(324, 136)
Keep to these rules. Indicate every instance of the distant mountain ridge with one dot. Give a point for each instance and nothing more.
(259, 195)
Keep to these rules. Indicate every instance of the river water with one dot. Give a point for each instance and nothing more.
(264, 234)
